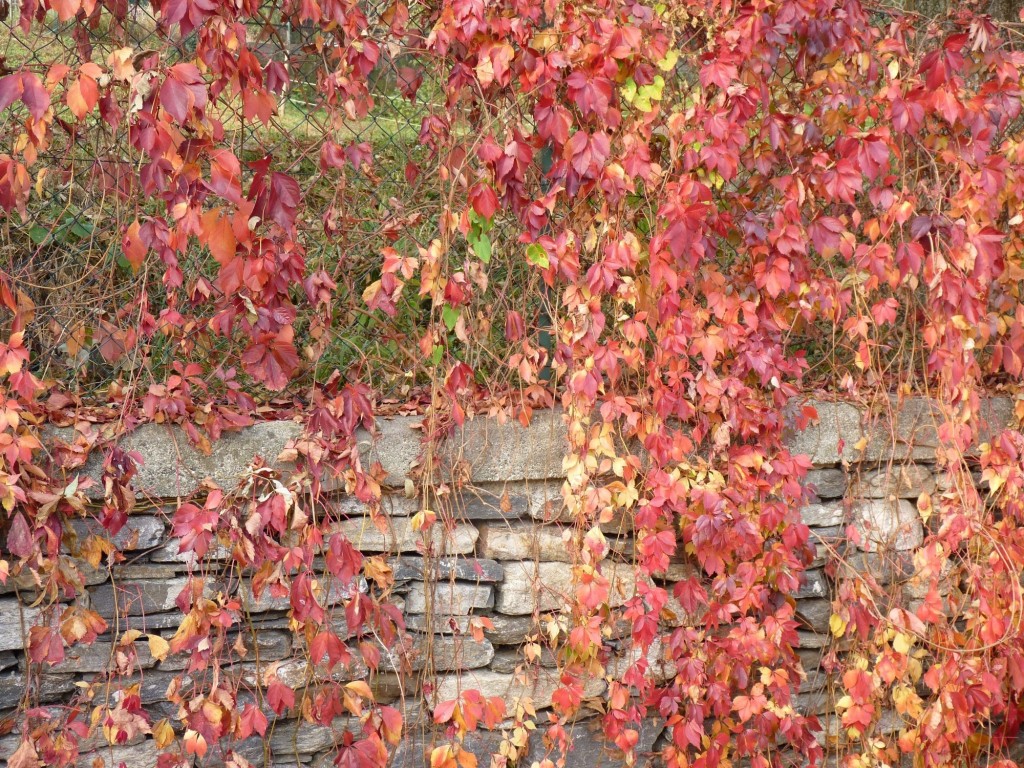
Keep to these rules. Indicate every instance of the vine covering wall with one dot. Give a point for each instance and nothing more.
(671, 220)
(478, 598)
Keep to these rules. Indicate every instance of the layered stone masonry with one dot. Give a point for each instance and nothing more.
(506, 559)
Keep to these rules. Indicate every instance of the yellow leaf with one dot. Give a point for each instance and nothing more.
(442, 757)
(837, 625)
(158, 647)
(902, 643)
(360, 688)
(669, 62)
(121, 64)
(163, 734)
(423, 519)
(130, 636)
(924, 507)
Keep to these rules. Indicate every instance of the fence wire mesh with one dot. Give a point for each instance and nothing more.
(64, 258)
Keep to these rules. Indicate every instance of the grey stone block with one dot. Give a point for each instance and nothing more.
(267, 644)
(172, 467)
(447, 653)
(814, 584)
(297, 673)
(141, 532)
(52, 687)
(293, 737)
(417, 744)
(137, 597)
(823, 515)
(827, 483)
(588, 747)
(545, 586)
(487, 502)
(530, 587)
(812, 640)
(902, 430)
(499, 452)
(884, 524)
(832, 438)
(391, 504)
(508, 630)
(336, 592)
(170, 553)
(524, 541)
(814, 614)
(410, 568)
(904, 481)
(102, 655)
(13, 618)
(401, 537)
(456, 599)
(884, 567)
(509, 687)
(507, 660)
(492, 452)
(141, 755)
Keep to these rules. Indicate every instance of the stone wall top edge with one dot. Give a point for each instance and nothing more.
(490, 451)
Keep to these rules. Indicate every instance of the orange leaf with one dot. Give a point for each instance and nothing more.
(82, 96)
(218, 236)
(133, 248)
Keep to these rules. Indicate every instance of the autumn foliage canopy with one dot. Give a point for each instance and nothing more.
(670, 219)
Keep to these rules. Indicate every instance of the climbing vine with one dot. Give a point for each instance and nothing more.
(690, 215)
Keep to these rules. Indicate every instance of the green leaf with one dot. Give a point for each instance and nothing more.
(450, 315)
(535, 254)
(38, 234)
(628, 90)
(478, 224)
(482, 248)
(436, 353)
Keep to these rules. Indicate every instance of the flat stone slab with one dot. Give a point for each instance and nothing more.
(456, 599)
(508, 630)
(136, 598)
(904, 481)
(12, 616)
(411, 568)
(400, 536)
(171, 467)
(508, 687)
(906, 430)
(828, 483)
(888, 524)
(140, 532)
(524, 541)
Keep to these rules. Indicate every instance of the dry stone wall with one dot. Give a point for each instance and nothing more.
(506, 559)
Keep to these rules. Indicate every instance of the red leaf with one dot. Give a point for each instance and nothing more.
(391, 722)
(484, 200)
(409, 81)
(272, 359)
(280, 696)
(276, 201)
(45, 645)
(183, 91)
(252, 721)
(34, 95)
(843, 181)
(11, 89)
(20, 541)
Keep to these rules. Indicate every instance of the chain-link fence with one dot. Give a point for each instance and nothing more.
(64, 259)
